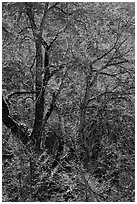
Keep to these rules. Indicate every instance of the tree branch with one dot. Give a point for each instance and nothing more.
(104, 73)
(43, 18)
(54, 97)
(20, 93)
(53, 6)
(5, 30)
(118, 95)
(114, 47)
(49, 46)
(30, 14)
(117, 63)
(106, 53)
(24, 29)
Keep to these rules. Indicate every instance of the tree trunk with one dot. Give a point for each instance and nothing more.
(39, 105)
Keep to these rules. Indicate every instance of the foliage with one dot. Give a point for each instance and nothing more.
(68, 87)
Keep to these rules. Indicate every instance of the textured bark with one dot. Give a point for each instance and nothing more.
(40, 90)
(39, 105)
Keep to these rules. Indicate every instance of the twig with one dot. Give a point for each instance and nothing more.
(20, 93)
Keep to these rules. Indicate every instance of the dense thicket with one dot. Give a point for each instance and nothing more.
(68, 102)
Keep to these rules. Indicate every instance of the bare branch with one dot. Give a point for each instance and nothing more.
(117, 63)
(46, 10)
(30, 14)
(32, 67)
(118, 95)
(106, 53)
(54, 98)
(43, 18)
(5, 30)
(53, 6)
(20, 93)
(108, 64)
(114, 47)
(61, 10)
(107, 74)
(24, 29)
(49, 46)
